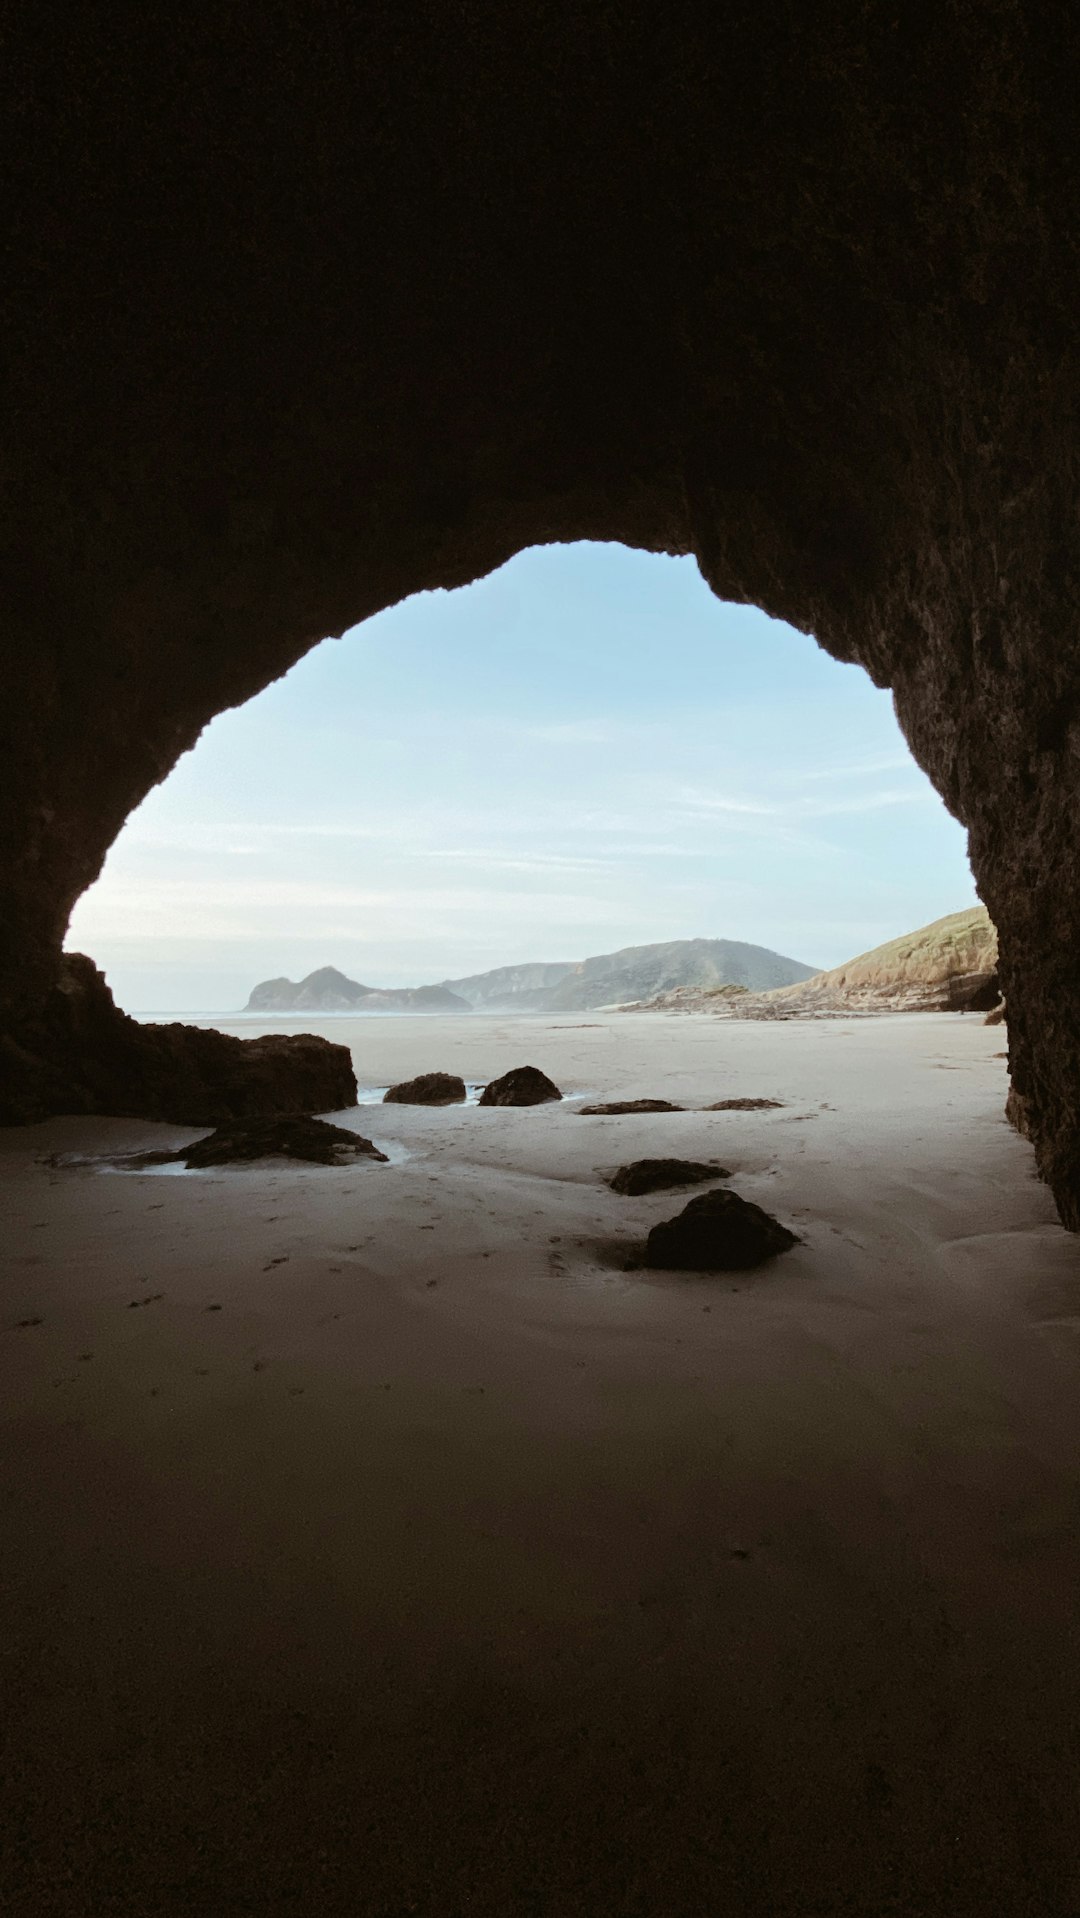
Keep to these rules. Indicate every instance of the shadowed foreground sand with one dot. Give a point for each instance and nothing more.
(374, 1544)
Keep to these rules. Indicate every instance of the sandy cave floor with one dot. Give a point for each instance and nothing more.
(375, 1543)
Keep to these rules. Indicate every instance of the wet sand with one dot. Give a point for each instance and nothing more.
(375, 1543)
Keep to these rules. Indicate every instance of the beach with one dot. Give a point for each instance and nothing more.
(381, 1540)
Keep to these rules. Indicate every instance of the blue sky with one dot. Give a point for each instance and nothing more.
(583, 751)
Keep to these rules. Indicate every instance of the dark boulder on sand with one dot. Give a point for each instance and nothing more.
(717, 1232)
(429, 1089)
(523, 1086)
(292, 1136)
(660, 1175)
(617, 1106)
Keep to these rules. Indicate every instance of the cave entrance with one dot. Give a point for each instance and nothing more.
(581, 752)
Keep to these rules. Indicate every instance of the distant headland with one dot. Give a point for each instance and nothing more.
(611, 978)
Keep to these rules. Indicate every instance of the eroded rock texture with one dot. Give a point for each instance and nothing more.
(949, 966)
(522, 1086)
(299, 321)
(617, 1108)
(717, 1232)
(662, 1175)
(428, 1089)
(295, 1136)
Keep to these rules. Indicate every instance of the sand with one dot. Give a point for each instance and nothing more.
(375, 1543)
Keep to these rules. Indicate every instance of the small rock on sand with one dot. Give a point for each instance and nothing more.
(523, 1086)
(716, 1232)
(429, 1089)
(617, 1106)
(659, 1175)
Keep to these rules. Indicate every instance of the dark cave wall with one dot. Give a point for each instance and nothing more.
(304, 315)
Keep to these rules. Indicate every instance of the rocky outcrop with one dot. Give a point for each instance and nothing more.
(523, 1086)
(427, 1089)
(662, 1175)
(294, 1136)
(82, 1054)
(328, 990)
(616, 1107)
(270, 370)
(688, 999)
(948, 966)
(718, 1232)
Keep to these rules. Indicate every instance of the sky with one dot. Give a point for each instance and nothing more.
(583, 751)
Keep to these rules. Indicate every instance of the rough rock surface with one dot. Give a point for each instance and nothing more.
(294, 1136)
(660, 1175)
(615, 1107)
(427, 1089)
(948, 966)
(718, 1232)
(270, 370)
(688, 999)
(82, 1054)
(522, 1086)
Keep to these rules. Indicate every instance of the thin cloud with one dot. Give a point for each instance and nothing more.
(721, 805)
(707, 802)
(483, 860)
(228, 910)
(861, 768)
(864, 802)
(577, 732)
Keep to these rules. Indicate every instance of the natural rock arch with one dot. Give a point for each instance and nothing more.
(306, 315)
